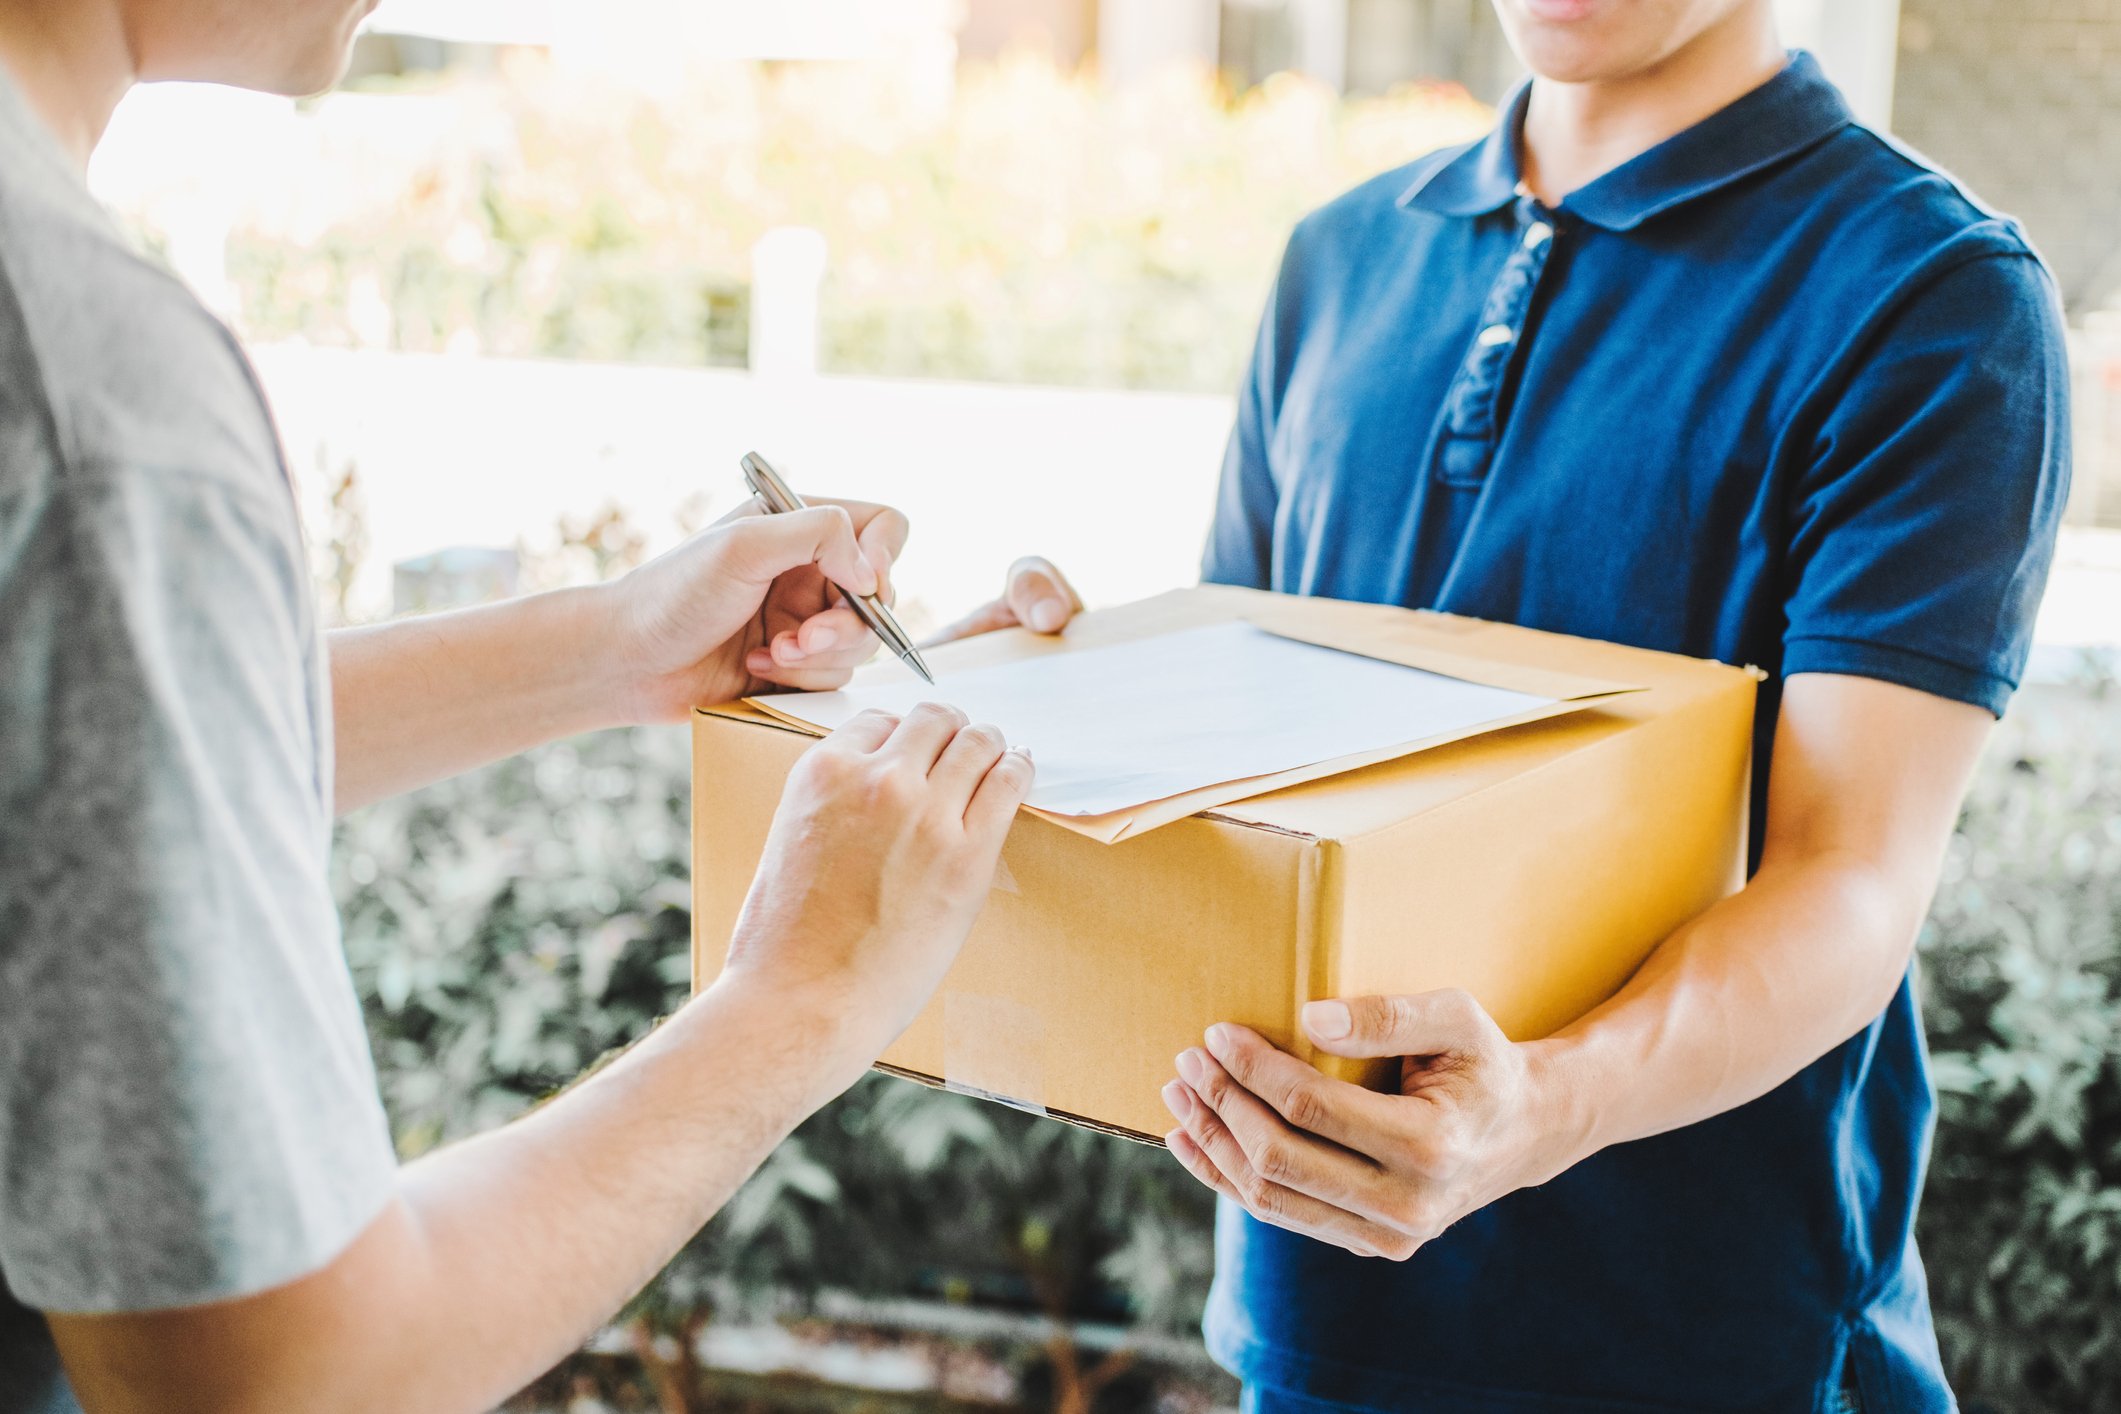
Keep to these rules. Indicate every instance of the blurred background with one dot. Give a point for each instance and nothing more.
(529, 284)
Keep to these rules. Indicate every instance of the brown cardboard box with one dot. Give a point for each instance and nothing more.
(1534, 866)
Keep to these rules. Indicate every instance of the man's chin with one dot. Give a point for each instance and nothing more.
(1575, 58)
(302, 78)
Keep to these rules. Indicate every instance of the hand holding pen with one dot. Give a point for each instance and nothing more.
(778, 498)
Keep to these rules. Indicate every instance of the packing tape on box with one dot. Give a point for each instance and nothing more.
(994, 1049)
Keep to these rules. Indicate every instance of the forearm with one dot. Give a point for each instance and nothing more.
(425, 698)
(500, 1255)
(535, 1235)
(1733, 1004)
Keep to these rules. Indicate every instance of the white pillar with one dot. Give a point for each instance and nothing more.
(1138, 38)
(1321, 28)
(1858, 43)
(787, 267)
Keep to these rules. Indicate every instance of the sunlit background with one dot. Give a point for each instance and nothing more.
(996, 261)
(525, 289)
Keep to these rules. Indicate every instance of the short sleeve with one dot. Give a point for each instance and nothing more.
(1923, 528)
(188, 1110)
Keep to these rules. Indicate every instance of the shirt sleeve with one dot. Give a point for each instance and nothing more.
(188, 1110)
(1241, 539)
(1923, 528)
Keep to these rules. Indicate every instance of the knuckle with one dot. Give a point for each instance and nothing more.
(987, 738)
(824, 770)
(1266, 1202)
(939, 712)
(1452, 1143)
(1306, 1106)
(1208, 1129)
(1399, 1247)
(1274, 1161)
(1463, 1005)
(1418, 1219)
(892, 786)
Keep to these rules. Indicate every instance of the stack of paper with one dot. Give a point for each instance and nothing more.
(1219, 709)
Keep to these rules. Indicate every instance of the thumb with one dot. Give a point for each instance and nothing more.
(1040, 595)
(1428, 1024)
(763, 548)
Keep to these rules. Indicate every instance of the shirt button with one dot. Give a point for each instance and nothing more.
(1496, 334)
(1537, 234)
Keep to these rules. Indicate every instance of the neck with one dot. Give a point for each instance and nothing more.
(1577, 132)
(73, 61)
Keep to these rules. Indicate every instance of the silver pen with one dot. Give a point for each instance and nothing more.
(778, 498)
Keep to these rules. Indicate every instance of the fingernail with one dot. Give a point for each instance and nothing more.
(791, 650)
(1189, 1066)
(1179, 1100)
(1328, 1021)
(1048, 615)
(1219, 1038)
(822, 639)
(1023, 751)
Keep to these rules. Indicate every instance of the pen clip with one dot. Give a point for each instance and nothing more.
(767, 485)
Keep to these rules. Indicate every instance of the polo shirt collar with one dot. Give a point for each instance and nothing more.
(1782, 117)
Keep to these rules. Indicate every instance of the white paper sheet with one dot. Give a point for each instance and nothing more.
(1116, 727)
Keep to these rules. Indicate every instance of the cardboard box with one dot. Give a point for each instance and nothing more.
(1534, 866)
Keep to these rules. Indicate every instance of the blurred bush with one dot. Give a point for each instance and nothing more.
(1035, 227)
(2021, 1222)
(509, 928)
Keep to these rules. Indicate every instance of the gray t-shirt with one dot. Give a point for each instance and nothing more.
(188, 1110)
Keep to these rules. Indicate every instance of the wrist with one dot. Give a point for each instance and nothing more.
(607, 670)
(809, 1031)
(576, 664)
(1563, 1109)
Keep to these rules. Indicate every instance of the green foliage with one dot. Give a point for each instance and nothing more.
(510, 928)
(2021, 1224)
(1034, 227)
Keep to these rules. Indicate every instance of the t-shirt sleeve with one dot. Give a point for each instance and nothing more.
(1922, 531)
(188, 1110)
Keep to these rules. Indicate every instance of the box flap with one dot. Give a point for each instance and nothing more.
(1380, 632)
(1350, 806)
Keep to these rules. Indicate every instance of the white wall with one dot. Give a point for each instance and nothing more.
(1858, 43)
(1136, 38)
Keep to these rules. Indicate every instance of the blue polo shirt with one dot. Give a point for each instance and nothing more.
(1775, 392)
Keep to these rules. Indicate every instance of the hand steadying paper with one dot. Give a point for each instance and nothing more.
(1135, 722)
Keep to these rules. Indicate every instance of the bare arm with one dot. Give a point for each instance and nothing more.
(494, 1258)
(746, 606)
(1866, 783)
